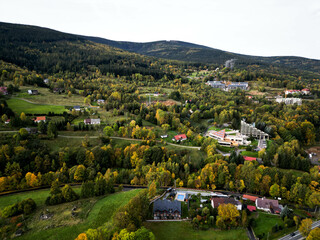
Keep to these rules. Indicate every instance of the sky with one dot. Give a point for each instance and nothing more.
(253, 27)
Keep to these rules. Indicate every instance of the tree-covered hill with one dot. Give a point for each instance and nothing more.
(183, 51)
(50, 51)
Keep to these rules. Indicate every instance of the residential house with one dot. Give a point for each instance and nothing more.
(216, 202)
(33, 92)
(7, 121)
(77, 108)
(249, 197)
(40, 119)
(92, 121)
(238, 85)
(305, 91)
(289, 101)
(166, 209)
(4, 90)
(180, 138)
(46, 81)
(217, 84)
(268, 205)
(100, 101)
(164, 136)
(246, 158)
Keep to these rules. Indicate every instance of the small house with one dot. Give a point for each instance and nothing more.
(40, 119)
(7, 121)
(33, 92)
(268, 205)
(46, 81)
(92, 121)
(216, 202)
(4, 90)
(166, 209)
(250, 159)
(164, 136)
(77, 108)
(100, 101)
(180, 138)
(249, 197)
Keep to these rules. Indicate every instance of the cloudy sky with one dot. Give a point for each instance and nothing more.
(255, 27)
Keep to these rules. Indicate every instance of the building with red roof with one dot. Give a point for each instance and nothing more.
(249, 197)
(246, 158)
(220, 135)
(40, 119)
(180, 138)
(251, 208)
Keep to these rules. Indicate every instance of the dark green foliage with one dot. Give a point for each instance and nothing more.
(87, 189)
(26, 206)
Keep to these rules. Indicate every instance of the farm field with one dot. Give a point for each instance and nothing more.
(92, 213)
(183, 230)
(19, 106)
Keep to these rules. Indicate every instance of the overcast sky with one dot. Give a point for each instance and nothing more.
(255, 27)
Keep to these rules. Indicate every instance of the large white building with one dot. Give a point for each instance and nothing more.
(230, 138)
(289, 101)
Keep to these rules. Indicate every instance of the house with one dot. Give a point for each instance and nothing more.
(289, 101)
(100, 101)
(33, 92)
(4, 90)
(249, 197)
(293, 92)
(180, 138)
(216, 202)
(251, 208)
(92, 121)
(77, 108)
(268, 205)
(32, 130)
(46, 81)
(40, 119)
(216, 84)
(166, 209)
(164, 136)
(238, 85)
(57, 90)
(305, 91)
(246, 158)
(7, 121)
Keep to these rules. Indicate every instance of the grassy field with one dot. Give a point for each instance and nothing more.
(18, 106)
(183, 230)
(47, 97)
(91, 214)
(265, 222)
(249, 154)
(39, 196)
(61, 142)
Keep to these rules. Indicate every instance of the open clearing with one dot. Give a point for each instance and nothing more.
(91, 213)
(19, 106)
(183, 230)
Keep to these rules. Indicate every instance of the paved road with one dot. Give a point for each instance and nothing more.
(131, 139)
(297, 235)
(8, 131)
(250, 233)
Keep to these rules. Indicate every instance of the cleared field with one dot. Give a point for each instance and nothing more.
(91, 215)
(264, 224)
(183, 230)
(39, 196)
(47, 97)
(18, 106)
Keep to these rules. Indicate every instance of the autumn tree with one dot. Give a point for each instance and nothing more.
(227, 215)
(152, 190)
(274, 190)
(314, 234)
(305, 227)
(79, 174)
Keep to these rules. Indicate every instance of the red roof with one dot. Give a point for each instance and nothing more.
(246, 158)
(249, 197)
(305, 89)
(220, 134)
(251, 208)
(42, 118)
(179, 137)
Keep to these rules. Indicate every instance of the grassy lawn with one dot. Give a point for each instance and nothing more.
(47, 97)
(225, 149)
(265, 222)
(215, 128)
(92, 214)
(249, 154)
(61, 142)
(39, 196)
(183, 230)
(18, 105)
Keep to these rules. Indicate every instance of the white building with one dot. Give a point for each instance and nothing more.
(289, 101)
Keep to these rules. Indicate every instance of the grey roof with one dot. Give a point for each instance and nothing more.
(166, 205)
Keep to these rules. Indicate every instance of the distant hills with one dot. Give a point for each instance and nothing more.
(44, 49)
(184, 51)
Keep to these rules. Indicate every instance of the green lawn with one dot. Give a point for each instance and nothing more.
(265, 222)
(18, 105)
(39, 196)
(249, 154)
(183, 230)
(100, 213)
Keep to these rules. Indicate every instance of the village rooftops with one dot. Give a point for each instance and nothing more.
(216, 202)
(269, 205)
(166, 205)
